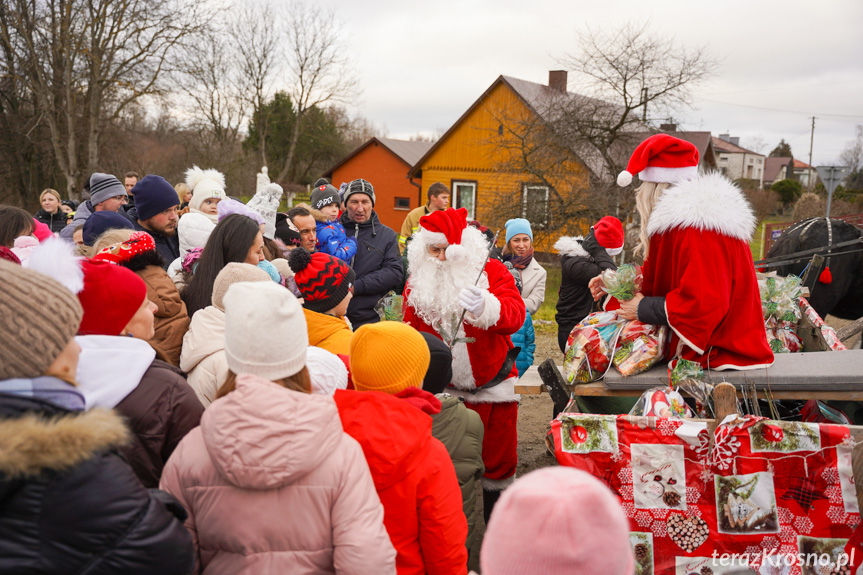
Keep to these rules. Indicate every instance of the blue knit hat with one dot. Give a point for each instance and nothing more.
(153, 195)
(513, 227)
(100, 222)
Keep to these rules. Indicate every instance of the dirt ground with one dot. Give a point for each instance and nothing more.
(535, 413)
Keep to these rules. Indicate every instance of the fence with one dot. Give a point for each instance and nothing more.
(771, 232)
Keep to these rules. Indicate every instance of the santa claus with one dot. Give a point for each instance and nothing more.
(698, 273)
(445, 259)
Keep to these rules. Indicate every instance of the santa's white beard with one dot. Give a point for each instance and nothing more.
(435, 285)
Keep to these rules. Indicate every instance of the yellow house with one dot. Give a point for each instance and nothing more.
(501, 161)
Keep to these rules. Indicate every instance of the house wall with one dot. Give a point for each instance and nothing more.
(736, 166)
(476, 152)
(388, 174)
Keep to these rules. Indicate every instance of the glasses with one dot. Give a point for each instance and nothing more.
(436, 251)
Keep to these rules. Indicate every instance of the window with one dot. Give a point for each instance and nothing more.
(403, 204)
(534, 204)
(465, 197)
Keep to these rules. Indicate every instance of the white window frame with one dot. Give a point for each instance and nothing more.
(524, 190)
(396, 206)
(471, 213)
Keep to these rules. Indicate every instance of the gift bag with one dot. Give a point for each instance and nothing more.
(639, 347)
(622, 283)
(390, 307)
(590, 347)
(661, 402)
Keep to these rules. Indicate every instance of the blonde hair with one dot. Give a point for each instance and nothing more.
(109, 238)
(182, 189)
(646, 196)
(51, 191)
(300, 381)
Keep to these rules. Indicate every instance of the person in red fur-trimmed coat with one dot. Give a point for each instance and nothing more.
(698, 274)
(445, 259)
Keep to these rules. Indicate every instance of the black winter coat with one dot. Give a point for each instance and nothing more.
(160, 411)
(54, 221)
(377, 264)
(69, 502)
(581, 260)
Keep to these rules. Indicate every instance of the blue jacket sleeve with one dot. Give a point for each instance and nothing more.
(332, 240)
(526, 339)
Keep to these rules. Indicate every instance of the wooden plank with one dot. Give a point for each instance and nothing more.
(857, 462)
(850, 330)
(807, 372)
(724, 401)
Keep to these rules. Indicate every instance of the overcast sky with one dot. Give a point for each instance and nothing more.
(421, 65)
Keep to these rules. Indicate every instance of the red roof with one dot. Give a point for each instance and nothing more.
(722, 146)
(802, 165)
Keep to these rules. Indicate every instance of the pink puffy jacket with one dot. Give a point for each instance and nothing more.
(273, 484)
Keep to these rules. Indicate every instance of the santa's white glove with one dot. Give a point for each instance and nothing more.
(472, 299)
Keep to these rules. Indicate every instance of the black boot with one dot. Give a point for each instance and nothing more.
(489, 498)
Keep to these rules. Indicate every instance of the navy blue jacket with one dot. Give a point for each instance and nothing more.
(377, 264)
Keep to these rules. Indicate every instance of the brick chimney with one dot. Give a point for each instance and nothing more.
(668, 127)
(557, 80)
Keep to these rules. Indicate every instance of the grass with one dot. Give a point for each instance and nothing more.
(552, 285)
(755, 244)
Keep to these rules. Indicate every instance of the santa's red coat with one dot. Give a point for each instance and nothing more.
(699, 260)
(492, 342)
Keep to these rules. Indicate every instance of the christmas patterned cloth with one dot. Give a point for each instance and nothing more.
(770, 495)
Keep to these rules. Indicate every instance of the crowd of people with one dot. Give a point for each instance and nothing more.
(191, 383)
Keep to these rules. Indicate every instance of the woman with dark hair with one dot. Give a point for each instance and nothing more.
(14, 223)
(236, 238)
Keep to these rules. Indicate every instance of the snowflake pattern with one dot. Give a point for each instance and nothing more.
(725, 448)
(803, 525)
(788, 550)
(659, 513)
(625, 475)
(788, 534)
(830, 474)
(692, 495)
(628, 509)
(706, 475)
(785, 515)
(693, 511)
(643, 518)
(659, 529)
(769, 543)
(835, 494)
(618, 455)
(626, 492)
(667, 426)
(837, 515)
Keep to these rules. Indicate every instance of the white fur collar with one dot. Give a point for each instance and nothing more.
(708, 202)
(570, 246)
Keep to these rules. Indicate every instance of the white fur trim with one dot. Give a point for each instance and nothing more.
(667, 175)
(462, 372)
(709, 202)
(456, 252)
(697, 349)
(490, 313)
(614, 251)
(497, 484)
(624, 178)
(570, 246)
(434, 238)
(731, 366)
(56, 259)
(501, 393)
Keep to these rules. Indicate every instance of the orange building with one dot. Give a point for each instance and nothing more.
(481, 158)
(385, 163)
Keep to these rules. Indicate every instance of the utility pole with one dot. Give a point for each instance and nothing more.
(644, 99)
(809, 170)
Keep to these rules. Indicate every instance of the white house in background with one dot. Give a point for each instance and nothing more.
(737, 162)
(805, 174)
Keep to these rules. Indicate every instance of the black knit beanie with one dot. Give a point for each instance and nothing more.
(439, 373)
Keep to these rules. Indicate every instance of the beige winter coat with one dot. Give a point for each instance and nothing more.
(533, 286)
(273, 484)
(203, 357)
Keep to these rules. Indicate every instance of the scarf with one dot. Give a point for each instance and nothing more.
(519, 262)
(47, 388)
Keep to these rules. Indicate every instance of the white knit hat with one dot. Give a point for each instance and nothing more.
(327, 372)
(205, 184)
(265, 330)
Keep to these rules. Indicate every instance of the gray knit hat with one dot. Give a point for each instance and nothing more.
(104, 187)
(360, 186)
(38, 319)
(324, 194)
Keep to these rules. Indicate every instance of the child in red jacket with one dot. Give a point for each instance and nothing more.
(390, 416)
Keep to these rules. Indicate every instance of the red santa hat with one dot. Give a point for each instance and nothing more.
(661, 158)
(111, 296)
(609, 233)
(445, 227)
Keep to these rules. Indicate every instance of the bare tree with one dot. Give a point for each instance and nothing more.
(622, 74)
(321, 72)
(85, 61)
(852, 154)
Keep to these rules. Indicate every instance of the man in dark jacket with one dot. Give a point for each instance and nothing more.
(107, 194)
(581, 260)
(377, 264)
(155, 212)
